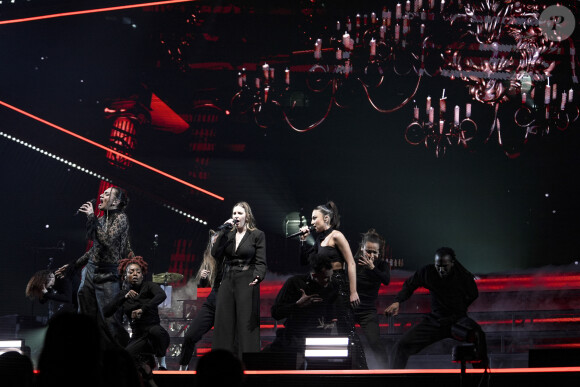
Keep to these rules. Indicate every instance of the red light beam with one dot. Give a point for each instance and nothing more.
(88, 11)
(96, 144)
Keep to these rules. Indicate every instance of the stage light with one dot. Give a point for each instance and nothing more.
(326, 347)
(11, 345)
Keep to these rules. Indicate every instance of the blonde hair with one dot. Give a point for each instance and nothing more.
(208, 262)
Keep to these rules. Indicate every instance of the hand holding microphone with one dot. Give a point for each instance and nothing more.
(87, 207)
(228, 225)
(303, 233)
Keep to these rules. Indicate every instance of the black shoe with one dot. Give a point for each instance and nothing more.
(162, 369)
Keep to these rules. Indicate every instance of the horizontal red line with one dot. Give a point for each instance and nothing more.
(399, 372)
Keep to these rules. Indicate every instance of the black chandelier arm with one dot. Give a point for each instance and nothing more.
(313, 125)
(398, 107)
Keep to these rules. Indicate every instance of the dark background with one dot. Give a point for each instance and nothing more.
(498, 213)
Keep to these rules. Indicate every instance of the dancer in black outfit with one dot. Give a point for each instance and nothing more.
(331, 243)
(58, 288)
(100, 281)
(307, 303)
(209, 274)
(242, 252)
(139, 301)
(453, 289)
(372, 270)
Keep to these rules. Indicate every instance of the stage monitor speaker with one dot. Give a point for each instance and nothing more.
(269, 361)
(554, 357)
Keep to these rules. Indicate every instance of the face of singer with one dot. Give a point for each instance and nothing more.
(239, 214)
(443, 265)
(371, 250)
(320, 221)
(50, 281)
(108, 201)
(134, 274)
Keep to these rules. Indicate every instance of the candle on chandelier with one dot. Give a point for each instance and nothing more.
(397, 32)
(345, 39)
(408, 6)
(382, 30)
(456, 115)
(266, 90)
(240, 80)
(442, 5)
(418, 5)
(428, 104)
(373, 47)
(365, 19)
(257, 83)
(563, 103)
(423, 15)
(318, 49)
(338, 54)
(373, 18)
(287, 76)
(442, 106)
(422, 29)
(570, 95)
(547, 94)
(272, 73)
(554, 91)
(524, 97)
(357, 20)
(467, 110)
(431, 4)
(266, 70)
(431, 115)
(398, 11)
(244, 77)
(416, 113)
(441, 126)
(348, 24)
(338, 25)
(406, 25)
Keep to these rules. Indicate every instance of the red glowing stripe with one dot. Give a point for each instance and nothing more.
(89, 11)
(111, 150)
(397, 372)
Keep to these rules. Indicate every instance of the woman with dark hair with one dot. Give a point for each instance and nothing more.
(372, 270)
(242, 253)
(332, 243)
(139, 300)
(204, 320)
(59, 287)
(100, 281)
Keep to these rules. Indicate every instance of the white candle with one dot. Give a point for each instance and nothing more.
(384, 13)
(357, 20)
(431, 115)
(240, 80)
(408, 6)
(428, 104)
(318, 49)
(373, 47)
(373, 18)
(441, 126)
(442, 5)
(431, 4)
(266, 90)
(257, 83)
(398, 11)
(365, 19)
(406, 25)
(422, 29)
(348, 24)
(547, 95)
(382, 30)
(418, 5)
(345, 39)
(338, 54)
(266, 71)
(563, 103)
(570, 95)
(287, 76)
(272, 73)
(554, 91)
(423, 15)
(456, 115)
(338, 25)
(416, 113)
(397, 32)
(467, 110)
(389, 18)
(244, 77)
(442, 106)
(524, 97)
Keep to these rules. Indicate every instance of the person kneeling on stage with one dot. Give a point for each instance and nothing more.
(139, 301)
(452, 288)
(307, 302)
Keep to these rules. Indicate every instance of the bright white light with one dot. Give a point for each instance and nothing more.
(326, 353)
(47, 226)
(326, 341)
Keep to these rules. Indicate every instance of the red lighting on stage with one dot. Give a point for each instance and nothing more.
(119, 154)
(89, 11)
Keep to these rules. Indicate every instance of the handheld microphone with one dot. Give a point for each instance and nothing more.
(228, 226)
(92, 201)
(299, 233)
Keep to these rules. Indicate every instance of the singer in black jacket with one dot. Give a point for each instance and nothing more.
(242, 254)
(452, 289)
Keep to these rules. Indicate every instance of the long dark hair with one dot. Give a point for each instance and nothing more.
(331, 210)
(36, 283)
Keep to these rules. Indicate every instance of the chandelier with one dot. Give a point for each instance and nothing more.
(515, 59)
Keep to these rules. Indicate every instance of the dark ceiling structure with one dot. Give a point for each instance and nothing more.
(171, 70)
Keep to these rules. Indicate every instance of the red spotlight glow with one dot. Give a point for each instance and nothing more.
(96, 144)
(89, 11)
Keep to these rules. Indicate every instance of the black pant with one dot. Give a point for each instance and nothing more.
(237, 317)
(201, 324)
(99, 286)
(151, 339)
(369, 323)
(433, 329)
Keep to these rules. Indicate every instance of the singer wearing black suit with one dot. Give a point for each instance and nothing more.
(100, 282)
(242, 253)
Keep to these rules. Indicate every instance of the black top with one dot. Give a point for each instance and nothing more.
(369, 281)
(304, 319)
(450, 297)
(251, 252)
(110, 236)
(331, 252)
(150, 297)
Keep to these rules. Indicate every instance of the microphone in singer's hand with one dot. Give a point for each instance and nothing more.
(227, 225)
(299, 233)
(92, 201)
